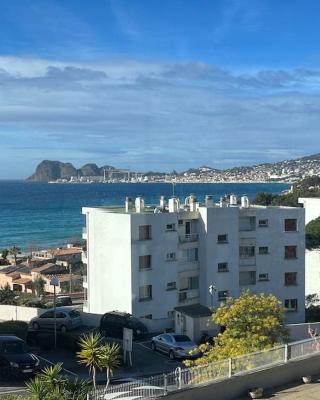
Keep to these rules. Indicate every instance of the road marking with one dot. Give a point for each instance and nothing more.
(12, 390)
(64, 369)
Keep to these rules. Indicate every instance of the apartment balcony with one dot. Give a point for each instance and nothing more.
(84, 257)
(188, 296)
(85, 282)
(188, 265)
(189, 238)
(84, 233)
(247, 261)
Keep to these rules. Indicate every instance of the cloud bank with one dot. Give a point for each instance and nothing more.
(154, 115)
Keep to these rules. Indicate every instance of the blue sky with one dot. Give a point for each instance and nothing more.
(158, 84)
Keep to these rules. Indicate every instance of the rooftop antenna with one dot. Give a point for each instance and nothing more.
(173, 185)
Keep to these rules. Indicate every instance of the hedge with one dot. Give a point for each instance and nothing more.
(18, 328)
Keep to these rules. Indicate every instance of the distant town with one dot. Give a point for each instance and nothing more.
(288, 171)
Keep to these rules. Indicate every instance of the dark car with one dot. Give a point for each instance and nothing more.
(15, 359)
(112, 324)
(60, 301)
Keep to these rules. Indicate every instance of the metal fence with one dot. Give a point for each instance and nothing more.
(161, 385)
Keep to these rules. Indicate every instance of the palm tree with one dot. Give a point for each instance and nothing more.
(90, 353)
(110, 354)
(14, 250)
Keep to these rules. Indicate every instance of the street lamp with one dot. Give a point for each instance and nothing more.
(54, 282)
(212, 289)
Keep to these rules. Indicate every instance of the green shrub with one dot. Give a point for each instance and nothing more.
(18, 328)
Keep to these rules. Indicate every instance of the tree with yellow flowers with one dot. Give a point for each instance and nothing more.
(252, 322)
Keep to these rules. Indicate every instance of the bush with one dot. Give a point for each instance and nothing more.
(18, 328)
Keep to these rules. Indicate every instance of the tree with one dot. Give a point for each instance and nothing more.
(90, 354)
(38, 286)
(51, 384)
(110, 359)
(4, 253)
(33, 246)
(252, 322)
(14, 250)
(313, 234)
(7, 295)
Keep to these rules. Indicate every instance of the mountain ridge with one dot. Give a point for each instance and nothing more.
(49, 170)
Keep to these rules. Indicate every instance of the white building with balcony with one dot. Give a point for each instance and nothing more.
(148, 260)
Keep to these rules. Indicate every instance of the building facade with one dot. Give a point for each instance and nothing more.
(147, 260)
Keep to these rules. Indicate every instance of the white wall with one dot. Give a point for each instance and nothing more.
(19, 313)
(312, 207)
(312, 272)
(109, 261)
(300, 331)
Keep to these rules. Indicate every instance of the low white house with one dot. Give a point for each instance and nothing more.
(148, 260)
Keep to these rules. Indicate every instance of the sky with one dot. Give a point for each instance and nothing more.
(158, 84)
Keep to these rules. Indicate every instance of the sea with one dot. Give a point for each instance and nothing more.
(34, 214)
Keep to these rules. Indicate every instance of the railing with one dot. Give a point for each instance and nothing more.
(191, 237)
(181, 378)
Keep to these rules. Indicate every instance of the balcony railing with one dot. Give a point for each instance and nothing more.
(190, 237)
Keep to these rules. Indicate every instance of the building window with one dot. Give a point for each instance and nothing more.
(222, 238)
(291, 304)
(148, 316)
(145, 292)
(182, 296)
(290, 225)
(290, 252)
(171, 257)
(290, 278)
(223, 267)
(263, 223)
(263, 250)
(171, 286)
(170, 227)
(247, 278)
(223, 295)
(190, 255)
(180, 222)
(263, 277)
(246, 251)
(144, 262)
(191, 283)
(144, 232)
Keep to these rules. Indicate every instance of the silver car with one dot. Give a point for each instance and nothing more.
(67, 318)
(175, 345)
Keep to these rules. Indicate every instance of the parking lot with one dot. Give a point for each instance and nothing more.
(145, 362)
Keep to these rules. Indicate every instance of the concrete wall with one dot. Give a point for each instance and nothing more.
(238, 386)
(18, 313)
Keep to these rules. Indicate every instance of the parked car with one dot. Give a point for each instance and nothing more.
(112, 324)
(15, 359)
(61, 301)
(67, 318)
(175, 345)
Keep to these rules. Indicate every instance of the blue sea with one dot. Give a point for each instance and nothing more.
(50, 214)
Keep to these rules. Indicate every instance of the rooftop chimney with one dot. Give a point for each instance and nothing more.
(233, 200)
(174, 204)
(208, 201)
(128, 204)
(192, 202)
(245, 203)
(139, 204)
(162, 202)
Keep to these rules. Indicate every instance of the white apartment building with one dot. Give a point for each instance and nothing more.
(147, 260)
(312, 210)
